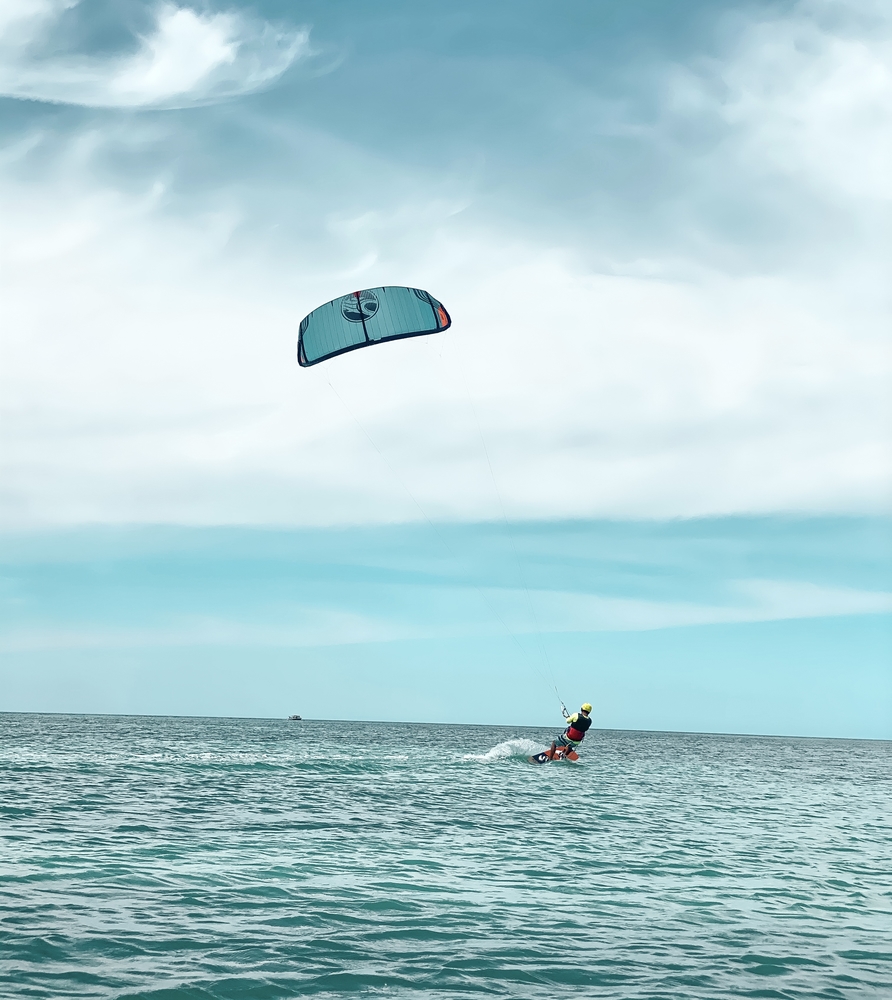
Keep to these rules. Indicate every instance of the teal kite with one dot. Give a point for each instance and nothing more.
(372, 316)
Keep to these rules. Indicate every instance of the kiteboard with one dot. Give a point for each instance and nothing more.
(560, 753)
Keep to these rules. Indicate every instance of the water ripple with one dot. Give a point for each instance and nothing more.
(200, 858)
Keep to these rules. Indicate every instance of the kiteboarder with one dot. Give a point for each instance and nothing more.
(573, 735)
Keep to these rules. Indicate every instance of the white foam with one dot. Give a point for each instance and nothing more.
(510, 748)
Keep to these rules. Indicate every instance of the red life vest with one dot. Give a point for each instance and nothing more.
(576, 730)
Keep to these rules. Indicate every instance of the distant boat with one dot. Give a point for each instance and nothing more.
(294, 718)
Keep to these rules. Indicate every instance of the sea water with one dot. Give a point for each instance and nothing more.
(189, 859)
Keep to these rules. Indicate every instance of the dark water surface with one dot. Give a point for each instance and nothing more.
(232, 858)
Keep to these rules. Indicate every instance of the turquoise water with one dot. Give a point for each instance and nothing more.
(230, 858)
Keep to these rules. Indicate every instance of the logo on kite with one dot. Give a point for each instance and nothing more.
(359, 306)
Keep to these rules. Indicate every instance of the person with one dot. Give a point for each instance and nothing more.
(573, 735)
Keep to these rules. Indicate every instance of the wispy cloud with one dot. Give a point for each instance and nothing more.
(749, 601)
(186, 58)
(428, 617)
(101, 588)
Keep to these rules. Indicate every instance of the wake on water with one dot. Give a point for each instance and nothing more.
(510, 748)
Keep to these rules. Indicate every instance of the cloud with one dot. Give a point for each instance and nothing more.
(188, 58)
(750, 601)
(770, 150)
(411, 613)
(157, 381)
(811, 96)
(320, 627)
(150, 317)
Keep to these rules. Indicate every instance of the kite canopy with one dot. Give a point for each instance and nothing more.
(372, 316)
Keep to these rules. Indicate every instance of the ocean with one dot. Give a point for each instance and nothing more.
(195, 859)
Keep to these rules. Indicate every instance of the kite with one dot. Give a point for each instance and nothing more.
(372, 316)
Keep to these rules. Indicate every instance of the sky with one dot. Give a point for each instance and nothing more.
(649, 465)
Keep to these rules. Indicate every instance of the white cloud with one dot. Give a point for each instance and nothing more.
(149, 375)
(22, 21)
(149, 370)
(448, 612)
(189, 58)
(799, 115)
(812, 96)
(751, 601)
(315, 627)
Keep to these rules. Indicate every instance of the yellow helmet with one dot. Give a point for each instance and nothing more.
(586, 708)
